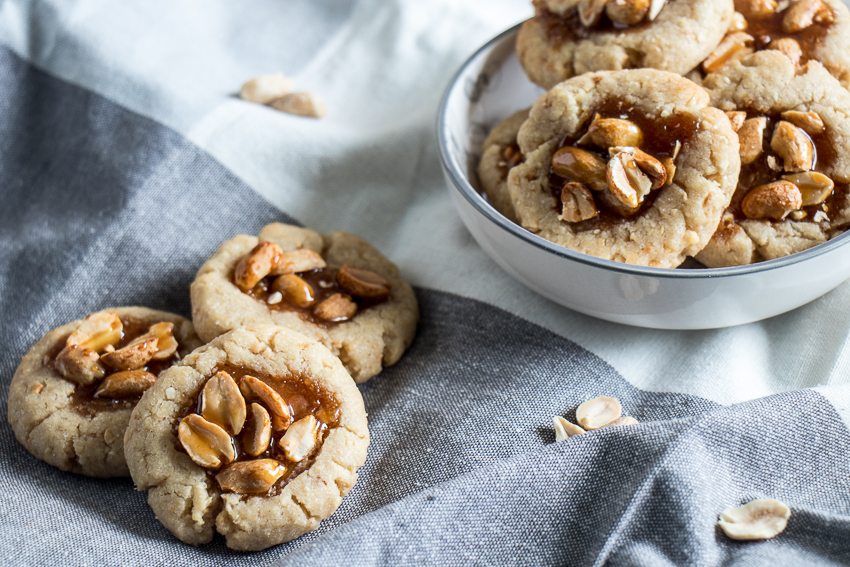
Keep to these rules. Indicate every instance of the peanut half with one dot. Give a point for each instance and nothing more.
(608, 132)
(755, 520)
(256, 265)
(97, 331)
(794, 146)
(734, 45)
(125, 384)
(564, 429)
(338, 307)
(577, 203)
(300, 438)
(810, 122)
(627, 12)
(135, 355)
(300, 104)
(814, 187)
(257, 432)
(80, 365)
(772, 201)
(297, 261)
(751, 137)
(255, 389)
(206, 443)
(363, 283)
(598, 412)
(222, 404)
(265, 88)
(296, 289)
(581, 166)
(251, 477)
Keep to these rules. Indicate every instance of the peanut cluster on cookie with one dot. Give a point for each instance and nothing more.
(120, 358)
(255, 449)
(300, 280)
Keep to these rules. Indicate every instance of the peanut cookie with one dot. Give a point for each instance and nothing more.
(336, 288)
(802, 30)
(257, 435)
(631, 166)
(566, 38)
(499, 154)
(793, 127)
(71, 397)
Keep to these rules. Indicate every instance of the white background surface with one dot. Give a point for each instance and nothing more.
(371, 165)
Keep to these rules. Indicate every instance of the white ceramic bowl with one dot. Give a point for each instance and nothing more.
(490, 86)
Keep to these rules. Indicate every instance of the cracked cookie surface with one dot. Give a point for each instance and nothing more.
(51, 420)
(189, 499)
(766, 84)
(551, 49)
(375, 336)
(675, 220)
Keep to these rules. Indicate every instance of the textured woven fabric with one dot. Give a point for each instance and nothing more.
(101, 206)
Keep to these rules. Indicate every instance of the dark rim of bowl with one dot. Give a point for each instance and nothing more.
(462, 184)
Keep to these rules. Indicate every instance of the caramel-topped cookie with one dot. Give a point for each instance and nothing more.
(257, 435)
(71, 397)
(499, 154)
(631, 166)
(793, 127)
(802, 30)
(336, 288)
(566, 38)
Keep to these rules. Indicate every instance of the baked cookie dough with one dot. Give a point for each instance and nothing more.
(557, 43)
(802, 30)
(71, 397)
(336, 288)
(499, 154)
(257, 435)
(631, 166)
(793, 125)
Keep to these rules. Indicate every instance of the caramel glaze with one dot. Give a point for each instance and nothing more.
(766, 30)
(303, 399)
(660, 136)
(324, 284)
(758, 172)
(567, 28)
(83, 398)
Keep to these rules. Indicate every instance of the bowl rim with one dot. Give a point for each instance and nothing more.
(465, 188)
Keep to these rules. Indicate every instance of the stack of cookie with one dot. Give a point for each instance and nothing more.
(713, 129)
(258, 433)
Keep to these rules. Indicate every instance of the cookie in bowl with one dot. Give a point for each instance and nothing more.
(499, 154)
(802, 30)
(793, 127)
(71, 397)
(631, 166)
(566, 38)
(257, 435)
(336, 288)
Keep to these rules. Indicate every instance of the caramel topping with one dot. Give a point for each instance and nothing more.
(767, 27)
(260, 442)
(760, 172)
(661, 139)
(85, 399)
(312, 289)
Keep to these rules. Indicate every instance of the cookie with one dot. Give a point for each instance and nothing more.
(631, 166)
(499, 153)
(71, 397)
(566, 38)
(336, 288)
(257, 435)
(802, 30)
(793, 126)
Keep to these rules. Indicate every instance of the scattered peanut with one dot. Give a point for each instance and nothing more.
(598, 412)
(265, 88)
(564, 429)
(755, 520)
(300, 104)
